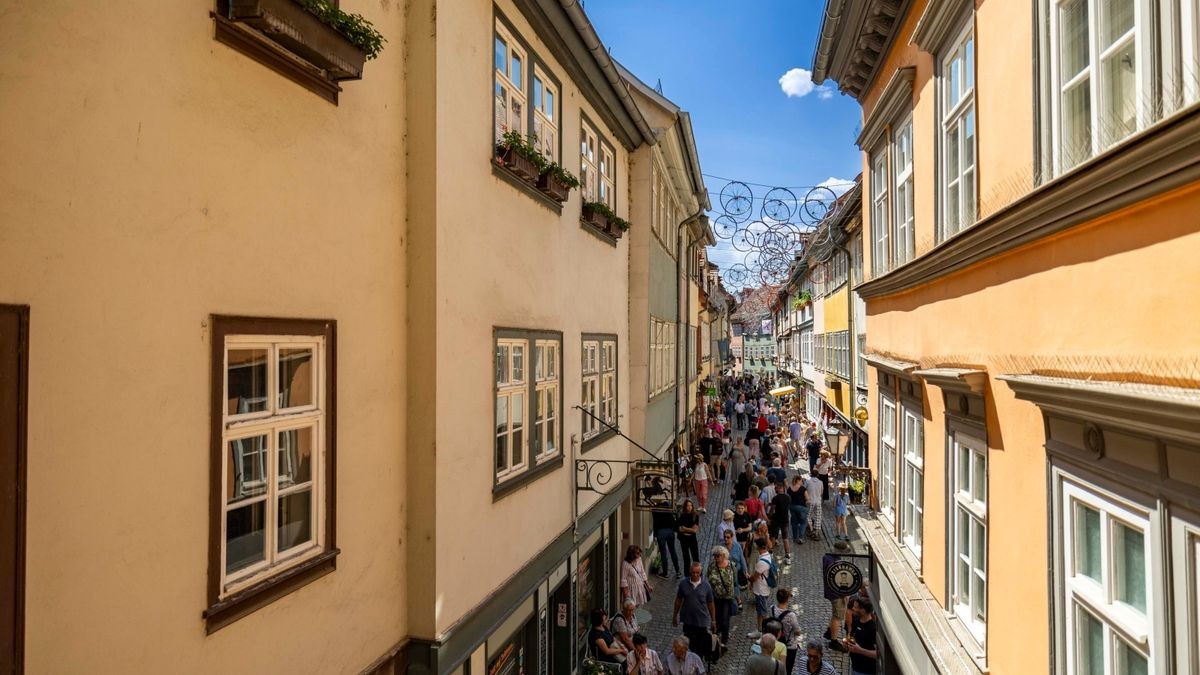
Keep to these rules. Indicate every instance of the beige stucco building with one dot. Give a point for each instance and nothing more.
(301, 373)
(1034, 400)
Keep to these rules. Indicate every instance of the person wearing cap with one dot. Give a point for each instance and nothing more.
(841, 509)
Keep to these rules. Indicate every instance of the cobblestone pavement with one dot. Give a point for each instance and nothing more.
(802, 577)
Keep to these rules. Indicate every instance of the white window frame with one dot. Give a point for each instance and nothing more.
(887, 456)
(589, 397)
(503, 81)
(904, 245)
(806, 347)
(608, 381)
(547, 423)
(967, 601)
(1120, 623)
(514, 386)
(589, 171)
(881, 260)
(270, 423)
(545, 113)
(608, 176)
(954, 118)
(1091, 76)
(912, 479)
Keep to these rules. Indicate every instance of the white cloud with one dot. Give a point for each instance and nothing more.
(837, 186)
(798, 83)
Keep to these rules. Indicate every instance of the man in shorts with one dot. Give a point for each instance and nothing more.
(759, 586)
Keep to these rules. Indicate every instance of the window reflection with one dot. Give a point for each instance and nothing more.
(295, 377)
(247, 377)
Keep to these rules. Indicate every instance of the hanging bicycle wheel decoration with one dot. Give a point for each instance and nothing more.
(771, 230)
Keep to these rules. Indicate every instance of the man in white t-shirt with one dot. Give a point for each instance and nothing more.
(740, 409)
(759, 586)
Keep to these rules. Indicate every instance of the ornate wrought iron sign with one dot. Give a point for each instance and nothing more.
(653, 486)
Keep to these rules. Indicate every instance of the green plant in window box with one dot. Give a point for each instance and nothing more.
(520, 154)
(856, 486)
(802, 300)
(600, 215)
(358, 30)
(557, 182)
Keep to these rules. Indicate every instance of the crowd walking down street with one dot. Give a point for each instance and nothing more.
(735, 584)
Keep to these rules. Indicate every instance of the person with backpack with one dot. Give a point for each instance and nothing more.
(790, 632)
(762, 581)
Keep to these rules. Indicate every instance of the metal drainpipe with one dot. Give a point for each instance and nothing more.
(679, 323)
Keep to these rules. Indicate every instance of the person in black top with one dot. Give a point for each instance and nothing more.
(601, 641)
(813, 447)
(780, 510)
(861, 643)
(664, 534)
(741, 487)
(687, 526)
(709, 446)
(743, 525)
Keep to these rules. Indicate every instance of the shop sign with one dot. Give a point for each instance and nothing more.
(842, 578)
(653, 486)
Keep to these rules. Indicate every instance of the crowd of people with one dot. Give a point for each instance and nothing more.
(769, 513)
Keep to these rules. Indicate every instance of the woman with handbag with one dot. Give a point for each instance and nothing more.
(634, 584)
(722, 576)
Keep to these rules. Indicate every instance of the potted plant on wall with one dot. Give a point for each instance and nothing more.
(518, 153)
(317, 31)
(557, 182)
(802, 300)
(856, 486)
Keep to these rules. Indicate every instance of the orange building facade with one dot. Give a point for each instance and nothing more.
(1030, 185)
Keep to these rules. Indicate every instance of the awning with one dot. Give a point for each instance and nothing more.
(781, 391)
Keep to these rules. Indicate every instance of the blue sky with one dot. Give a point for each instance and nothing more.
(722, 61)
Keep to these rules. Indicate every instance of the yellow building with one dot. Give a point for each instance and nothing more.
(296, 363)
(821, 328)
(1029, 198)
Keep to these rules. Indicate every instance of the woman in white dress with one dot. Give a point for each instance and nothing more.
(634, 584)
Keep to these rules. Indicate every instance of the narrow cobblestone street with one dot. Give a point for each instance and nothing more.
(802, 576)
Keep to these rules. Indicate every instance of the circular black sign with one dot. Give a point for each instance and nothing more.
(843, 578)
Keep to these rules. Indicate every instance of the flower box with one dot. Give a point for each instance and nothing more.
(288, 24)
(517, 163)
(549, 184)
(597, 219)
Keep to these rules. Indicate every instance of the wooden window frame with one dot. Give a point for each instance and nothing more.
(534, 465)
(602, 373)
(541, 87)
(227, 606)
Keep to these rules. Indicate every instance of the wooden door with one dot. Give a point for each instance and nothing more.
(14, 348)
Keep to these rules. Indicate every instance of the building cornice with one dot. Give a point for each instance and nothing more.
(565, 28)
(1168, 412)
(855, 38)
(1156, 161)
(961, 380)
(938, 24)
(895, 101)
(896, 366)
